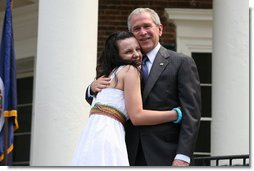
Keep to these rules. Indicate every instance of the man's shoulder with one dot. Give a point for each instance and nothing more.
(171, 54)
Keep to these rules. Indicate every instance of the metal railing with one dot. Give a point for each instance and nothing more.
(232, 160)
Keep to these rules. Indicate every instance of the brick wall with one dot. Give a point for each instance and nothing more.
(113, 16)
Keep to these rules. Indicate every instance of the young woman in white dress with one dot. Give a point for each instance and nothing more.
(102, 142)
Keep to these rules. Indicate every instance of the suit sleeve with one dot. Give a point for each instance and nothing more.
(190, 101)
(88, 96)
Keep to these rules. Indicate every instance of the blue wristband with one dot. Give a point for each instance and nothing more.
(179, 115)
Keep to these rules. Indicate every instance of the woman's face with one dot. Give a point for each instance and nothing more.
(129, 49)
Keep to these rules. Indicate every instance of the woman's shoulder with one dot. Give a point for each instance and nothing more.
(128, 70)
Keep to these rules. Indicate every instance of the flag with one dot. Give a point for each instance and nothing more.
(1, 104)
(8, 75)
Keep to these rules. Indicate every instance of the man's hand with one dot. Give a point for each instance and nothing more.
(100, 84)
(178, 163)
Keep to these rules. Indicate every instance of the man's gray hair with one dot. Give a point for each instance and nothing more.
(155, 17)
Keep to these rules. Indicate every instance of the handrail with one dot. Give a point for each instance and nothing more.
(205, 161)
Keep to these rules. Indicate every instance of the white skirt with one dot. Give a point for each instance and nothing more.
(102, 143)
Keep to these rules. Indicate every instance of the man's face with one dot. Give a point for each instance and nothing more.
(146, 32)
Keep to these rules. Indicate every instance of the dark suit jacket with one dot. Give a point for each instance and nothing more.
(173, 81)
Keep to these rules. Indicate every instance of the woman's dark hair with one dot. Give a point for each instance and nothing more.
(110, 59)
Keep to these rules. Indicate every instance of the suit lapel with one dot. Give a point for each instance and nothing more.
(158, 66)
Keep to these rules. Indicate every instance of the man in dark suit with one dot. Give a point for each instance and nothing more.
(172, 81)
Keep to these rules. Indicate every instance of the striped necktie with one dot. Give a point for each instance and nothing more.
(144, 68)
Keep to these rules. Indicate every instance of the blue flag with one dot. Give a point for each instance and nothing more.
(1, 104)
(8, 75)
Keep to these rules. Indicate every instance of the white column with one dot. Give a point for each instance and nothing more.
(230, 78)
(65, 65)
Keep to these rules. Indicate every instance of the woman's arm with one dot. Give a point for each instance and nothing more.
(133, 102)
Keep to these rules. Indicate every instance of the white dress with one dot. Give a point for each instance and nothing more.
(102, 142)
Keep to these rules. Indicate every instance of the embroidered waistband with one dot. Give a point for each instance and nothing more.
(108, 111)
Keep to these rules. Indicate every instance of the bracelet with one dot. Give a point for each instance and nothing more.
(179, 115)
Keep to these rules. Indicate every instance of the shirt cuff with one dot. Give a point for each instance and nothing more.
(182, 157)
(89, 91)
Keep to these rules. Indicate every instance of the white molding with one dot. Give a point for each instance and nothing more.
(25, 67)
(188, 45)
(189, 14)
(193, 29)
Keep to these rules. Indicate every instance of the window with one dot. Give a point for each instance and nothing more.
(204, 65)
(22, 136)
